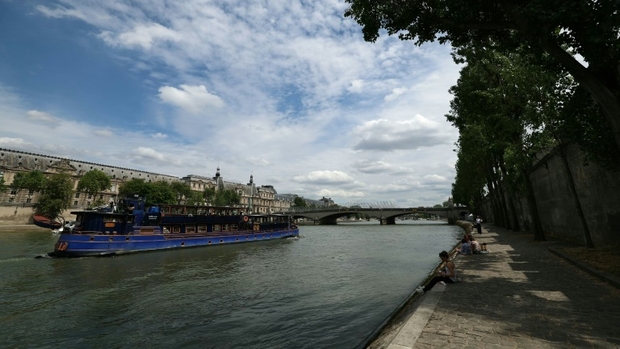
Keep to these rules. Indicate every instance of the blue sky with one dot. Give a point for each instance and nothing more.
(286, 91)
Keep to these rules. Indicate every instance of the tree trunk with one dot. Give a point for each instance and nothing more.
(504, 206)
(587, 239)
(539, 234)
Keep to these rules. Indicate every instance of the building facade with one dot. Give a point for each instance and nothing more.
(253, 199)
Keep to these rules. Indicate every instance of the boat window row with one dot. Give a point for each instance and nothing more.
(201, 228)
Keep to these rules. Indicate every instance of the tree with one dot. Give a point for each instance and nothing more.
(501, 106)
(3, 186)
(94, 182)
(209, 195)
(194, 198)
(299, 202)
(55, 195)
(134, 187)
(160, 193)
(153, 193)
(182, 191)
(226, 197)
(33, 181)
(558, 28)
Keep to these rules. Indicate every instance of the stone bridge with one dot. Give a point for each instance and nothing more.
(384, 215)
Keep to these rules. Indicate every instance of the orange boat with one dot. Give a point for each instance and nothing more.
(45, 222)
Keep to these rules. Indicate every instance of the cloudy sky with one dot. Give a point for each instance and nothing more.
(284, 90)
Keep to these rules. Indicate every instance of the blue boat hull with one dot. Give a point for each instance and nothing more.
(82, 245)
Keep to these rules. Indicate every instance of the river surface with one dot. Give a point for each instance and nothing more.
(330, 288)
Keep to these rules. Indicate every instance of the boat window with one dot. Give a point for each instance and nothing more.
(190, 229)
(202, 228)
(109, 219)
(234, 227)
(217, 227)
(176, 229)
(166, 230)
(225, 228)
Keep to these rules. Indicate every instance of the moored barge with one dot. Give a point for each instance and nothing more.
(136, 228)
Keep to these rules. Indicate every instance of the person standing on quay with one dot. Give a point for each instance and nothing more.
(479, 224)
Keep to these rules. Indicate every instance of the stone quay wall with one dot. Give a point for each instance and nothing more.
(598, 190)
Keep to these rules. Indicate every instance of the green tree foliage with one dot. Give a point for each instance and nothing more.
(299, 202)
(153, 193)
(55, 195)
(93, 182)
(33, 181)
(502, 107)
(161, 193)
(558, 28)
(209, 195)
(194, 198)
(226, 197)
(3, 186)
(134, 187)
(181, 191)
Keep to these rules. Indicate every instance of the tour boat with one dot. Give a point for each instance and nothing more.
(136, 228)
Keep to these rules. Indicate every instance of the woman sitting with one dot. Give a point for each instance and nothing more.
(465, 247)
(446, 275)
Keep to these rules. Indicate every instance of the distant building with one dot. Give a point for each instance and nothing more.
(253, 199)
(13, 162)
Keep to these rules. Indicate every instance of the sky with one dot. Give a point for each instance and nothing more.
(285, 90)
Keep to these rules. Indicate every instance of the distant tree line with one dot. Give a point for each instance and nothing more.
(55, 191)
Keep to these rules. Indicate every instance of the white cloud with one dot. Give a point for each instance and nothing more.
(395, 93)
(149, 153)
(190, 98)
(43, 117)
(386, 135)
(356, 86)
(434, 178)
(104, 133)
(332, 177)
(142, 35)
(16, 143)
(380, 167)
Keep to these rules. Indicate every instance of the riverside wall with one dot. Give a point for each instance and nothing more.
(22, 214)
(597, 188)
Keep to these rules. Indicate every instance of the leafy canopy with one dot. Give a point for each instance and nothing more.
(33, 181)
(55, 195)
(93, 182)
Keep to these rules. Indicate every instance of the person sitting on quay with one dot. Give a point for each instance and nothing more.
(446, 275)
(475, 246)
(465, 246)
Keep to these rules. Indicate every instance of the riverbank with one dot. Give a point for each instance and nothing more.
(11, 226)
(520, 295)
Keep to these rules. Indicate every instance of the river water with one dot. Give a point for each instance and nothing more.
(330, 288)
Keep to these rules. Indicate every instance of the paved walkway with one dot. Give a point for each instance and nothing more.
(519, 295)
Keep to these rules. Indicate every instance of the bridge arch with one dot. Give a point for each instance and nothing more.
(385, 215)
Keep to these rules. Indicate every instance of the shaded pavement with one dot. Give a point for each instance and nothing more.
(520, 295)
